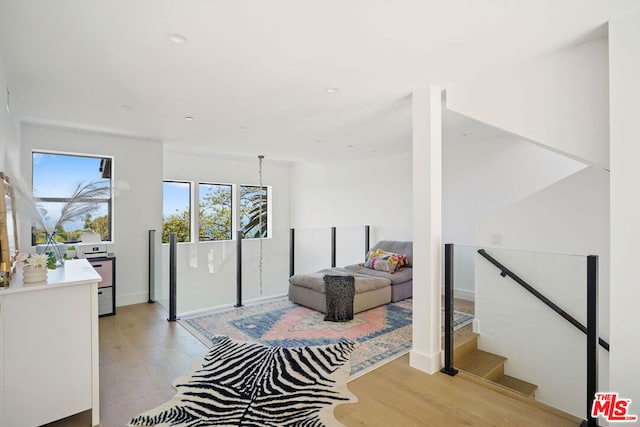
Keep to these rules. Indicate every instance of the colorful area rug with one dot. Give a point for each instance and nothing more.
(382, 333)
(249, 384)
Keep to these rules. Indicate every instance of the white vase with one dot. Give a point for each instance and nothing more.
(34, 275)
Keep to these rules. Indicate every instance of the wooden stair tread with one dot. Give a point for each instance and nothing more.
(518, 385)
(483, 364)
(464, 345)
(460, 340)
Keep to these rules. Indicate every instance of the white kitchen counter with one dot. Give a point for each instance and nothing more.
(74, 272)
(49, 347)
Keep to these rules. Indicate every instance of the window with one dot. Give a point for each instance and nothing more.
(176, 210)
(215, 212)
(253, 211)
(73, 196)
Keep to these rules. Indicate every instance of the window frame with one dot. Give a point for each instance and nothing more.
(269, 190)
(233, 190)
(191, 204)
(109, 201)
(194, 200)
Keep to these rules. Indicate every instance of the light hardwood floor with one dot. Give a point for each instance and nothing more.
(141, 354)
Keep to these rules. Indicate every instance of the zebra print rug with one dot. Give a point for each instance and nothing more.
(249, 384)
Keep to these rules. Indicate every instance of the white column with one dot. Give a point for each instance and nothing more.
(427, 228)
(624, 69)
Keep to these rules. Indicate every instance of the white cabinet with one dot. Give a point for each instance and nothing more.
(106, 268)
(1, 360)
(49, 361)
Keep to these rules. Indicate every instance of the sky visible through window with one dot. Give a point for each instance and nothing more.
(176, 210)
(175, 197)
(56, 175)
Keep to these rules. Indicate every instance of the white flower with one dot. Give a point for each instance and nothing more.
(37, 261)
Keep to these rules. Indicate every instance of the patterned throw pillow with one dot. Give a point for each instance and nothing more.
(385, 261)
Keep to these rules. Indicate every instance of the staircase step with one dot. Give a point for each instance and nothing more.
(464, 345)
(518, 385)
(482, 364)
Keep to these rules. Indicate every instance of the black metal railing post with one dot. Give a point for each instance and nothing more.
(367, 234)
(592, 335)
(448, 311)
(238, 270)
(152, 266)
(292, 251)
(333, 247)
(173, 245)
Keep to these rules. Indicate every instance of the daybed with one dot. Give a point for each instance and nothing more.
(373, 287)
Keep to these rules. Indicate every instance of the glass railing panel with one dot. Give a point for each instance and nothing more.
(538, 346)
(159, 288)
(312, 249)
(206, 275)
(350, 245)
(265, 266)
(207, 271)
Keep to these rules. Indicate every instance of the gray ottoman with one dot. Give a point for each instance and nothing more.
(309, 290)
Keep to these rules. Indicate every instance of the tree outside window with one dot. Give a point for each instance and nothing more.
(176, 210)
(215, 216)
(253, 211)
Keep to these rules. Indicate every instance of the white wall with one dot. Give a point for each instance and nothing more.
(207, 270)
(481, 177)
(559, 100)
(570, 217)
(137, 173)
(9, 130)
(624, 63)
(349, 195)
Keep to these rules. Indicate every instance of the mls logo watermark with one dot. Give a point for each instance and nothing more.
(612, 408)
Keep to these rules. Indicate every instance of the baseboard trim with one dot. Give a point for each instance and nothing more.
(424, 362)
(130, 299)
(140, 297)
(464, 294)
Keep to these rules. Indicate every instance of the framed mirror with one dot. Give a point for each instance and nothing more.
(8, 223)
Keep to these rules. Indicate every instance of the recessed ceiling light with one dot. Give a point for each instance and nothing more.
(177, 38)
(332, 90)
(188, 118)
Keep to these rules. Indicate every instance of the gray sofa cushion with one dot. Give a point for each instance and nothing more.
(404, 275)
(314, 281)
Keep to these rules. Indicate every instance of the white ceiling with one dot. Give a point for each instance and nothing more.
(254, 73)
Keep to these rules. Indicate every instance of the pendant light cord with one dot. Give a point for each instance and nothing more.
(260, 158)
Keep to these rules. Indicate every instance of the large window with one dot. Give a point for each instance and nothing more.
(217, 204)
(215, 211)
(72, 194)
(253, 211)
(176, 210)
